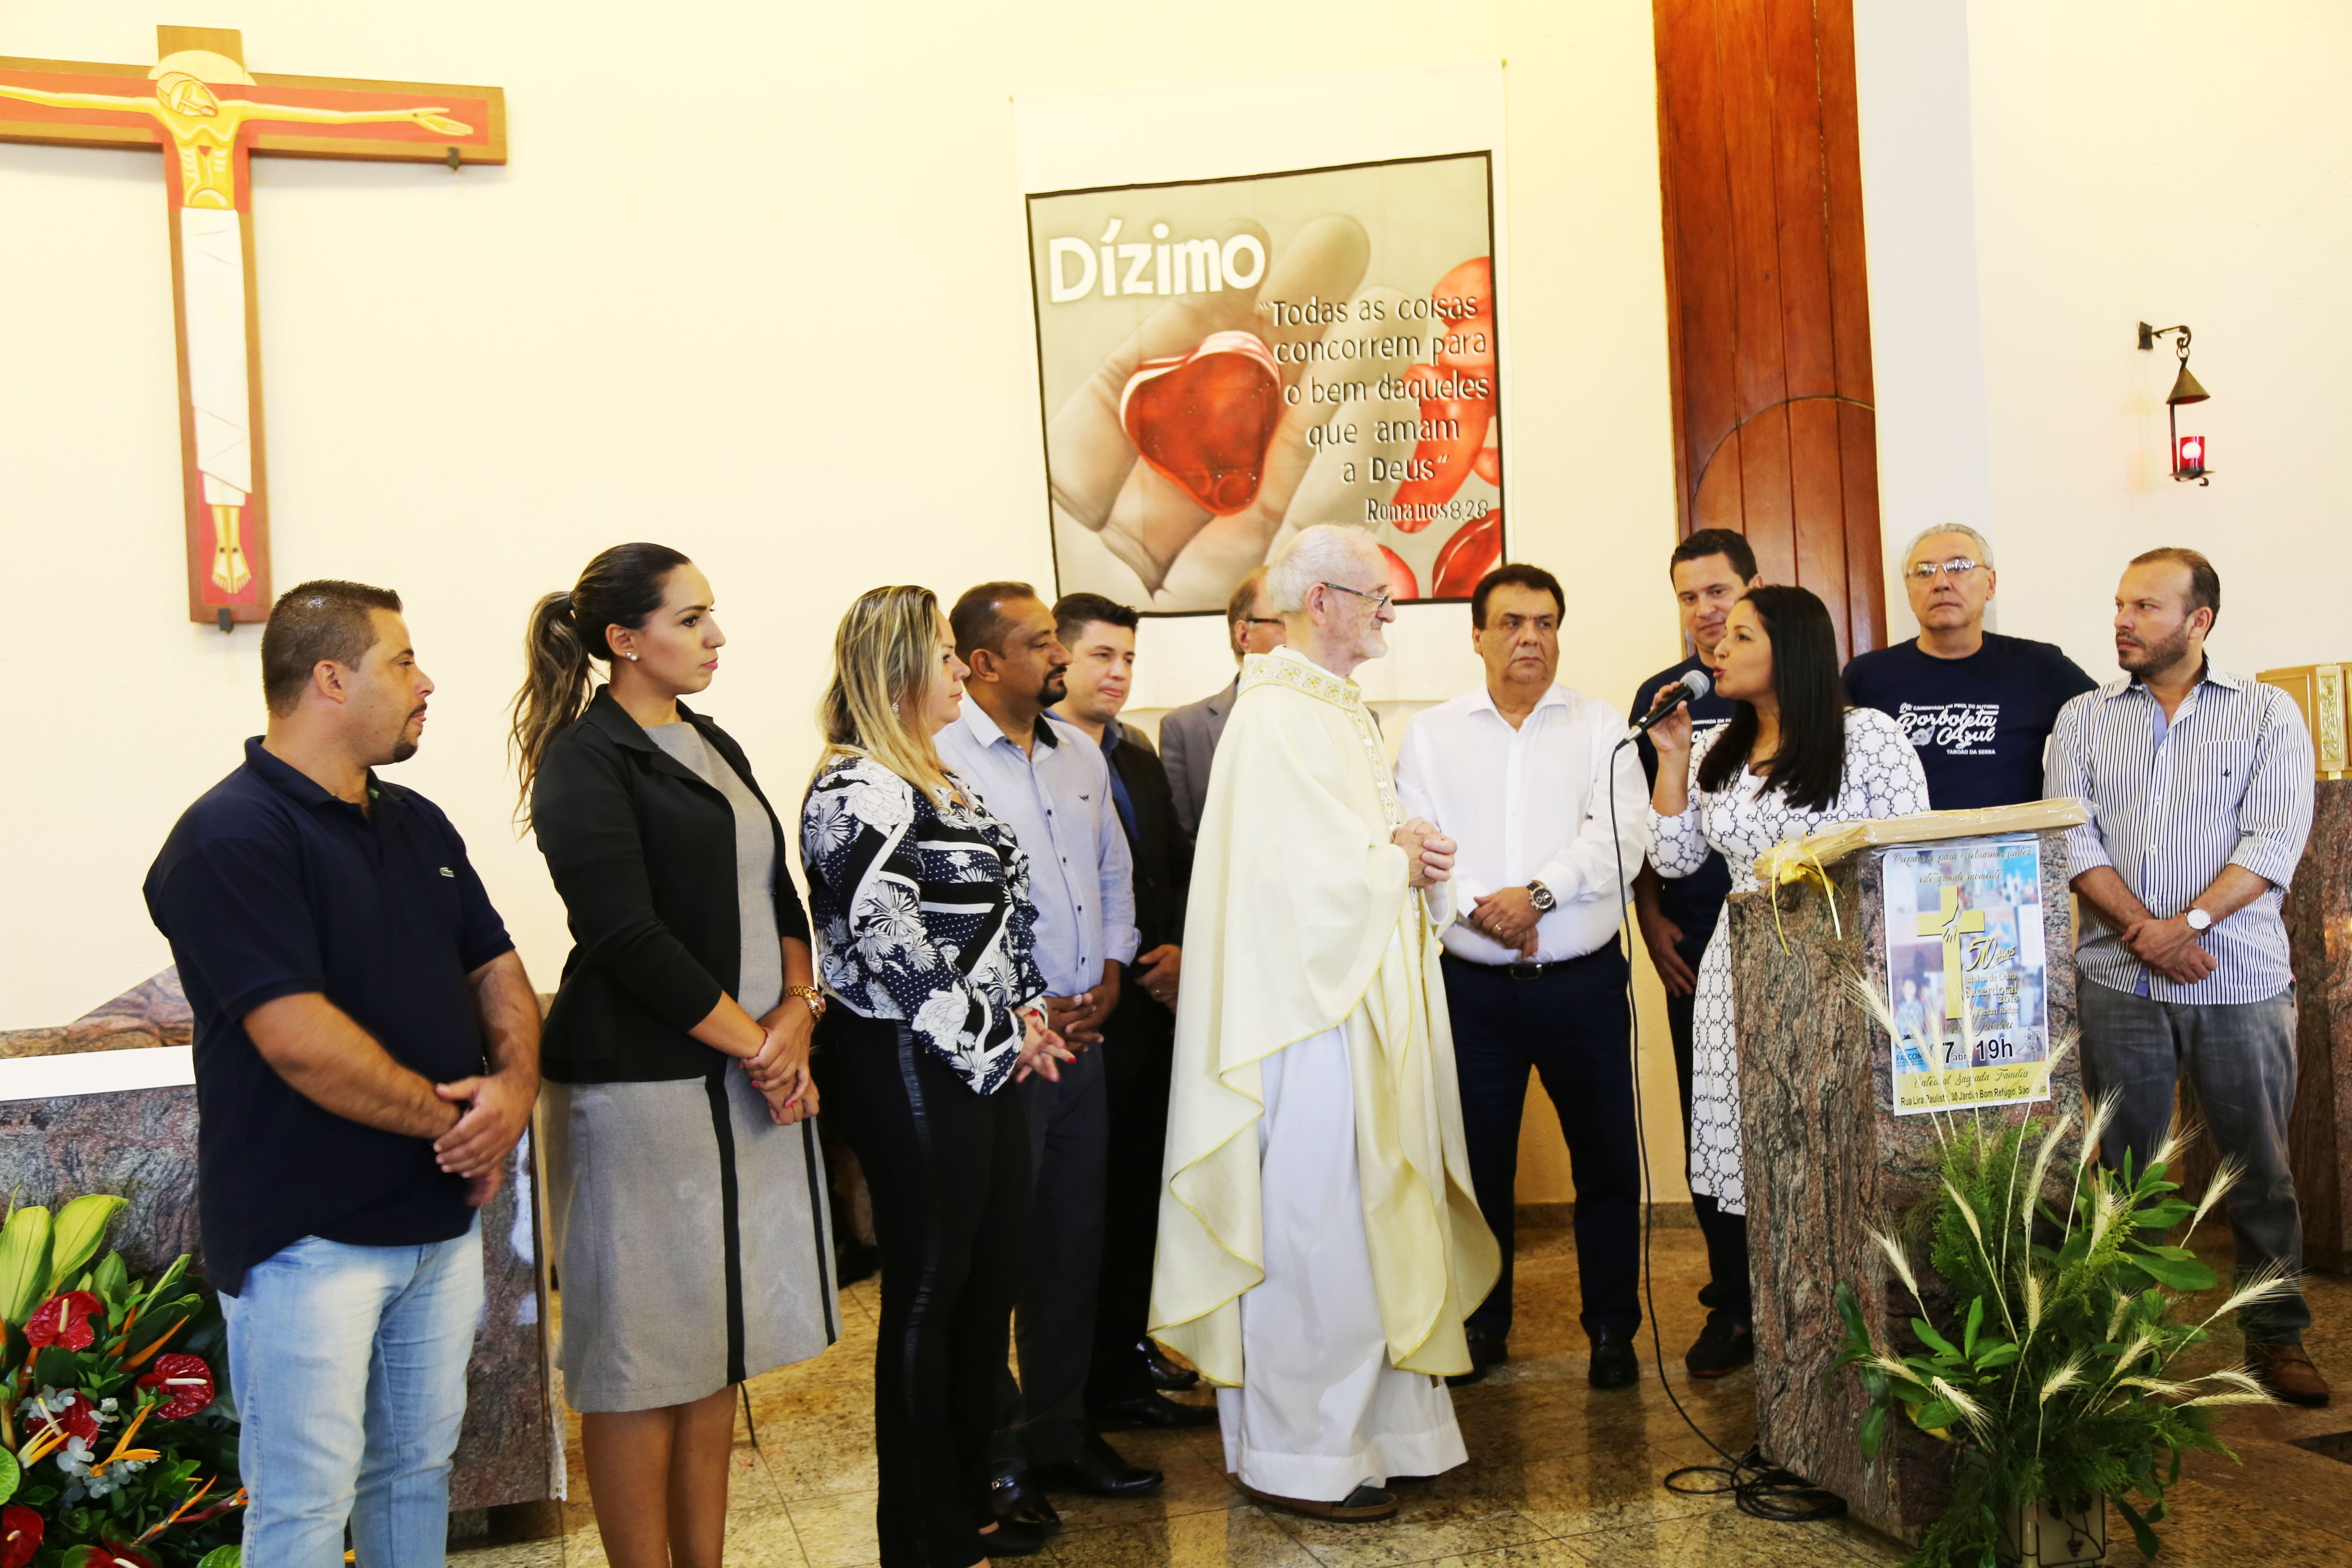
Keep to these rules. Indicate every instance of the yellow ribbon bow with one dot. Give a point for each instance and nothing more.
(1790, 861)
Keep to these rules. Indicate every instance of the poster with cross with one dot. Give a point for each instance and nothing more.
(1967, 973)
(198, 105)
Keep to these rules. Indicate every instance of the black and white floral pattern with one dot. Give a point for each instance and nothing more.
(922, 915)
(1742, 820)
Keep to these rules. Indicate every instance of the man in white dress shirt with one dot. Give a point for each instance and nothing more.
(1520, 773)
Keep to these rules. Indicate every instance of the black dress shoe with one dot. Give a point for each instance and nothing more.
(1722, 1347)
(1018, 1503)
(1486, 1350)
(1614, 1362)
(1097, 1468)
(1166, 1376)
(1150, 1413)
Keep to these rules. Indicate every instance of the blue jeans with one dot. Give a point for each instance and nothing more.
(349, 1367)
(2241, 1057)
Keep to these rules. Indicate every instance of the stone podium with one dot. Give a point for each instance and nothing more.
(1826, 1160)
(139, 1143)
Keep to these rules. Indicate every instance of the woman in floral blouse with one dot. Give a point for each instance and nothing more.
(924, 934)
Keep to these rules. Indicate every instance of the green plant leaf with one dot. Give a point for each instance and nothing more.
(1932, 1339)
(2142, 1536)
(23, 1262)
(2172, 1273)
(87, 1557)
(80, 1228)
(11, 1474)
(112, 1279)
(1874, 1428)
(2000, 1354)
(221, 1557)
(1935, 1415)
(1975, 1321)
(55, 1367)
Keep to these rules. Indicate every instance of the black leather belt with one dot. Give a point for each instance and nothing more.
(1526, 971)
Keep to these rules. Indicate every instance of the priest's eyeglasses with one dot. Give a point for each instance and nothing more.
(1381, 601)
(1926, 571)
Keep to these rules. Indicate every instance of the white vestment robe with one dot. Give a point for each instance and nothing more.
(1319, 1241)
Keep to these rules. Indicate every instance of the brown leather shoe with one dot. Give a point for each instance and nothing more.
(1362, 1505)
(2288, 1373)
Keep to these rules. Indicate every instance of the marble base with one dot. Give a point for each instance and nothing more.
(142, 1143)
(1826, 1160)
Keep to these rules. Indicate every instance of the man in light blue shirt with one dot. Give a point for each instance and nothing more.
(1048, 781)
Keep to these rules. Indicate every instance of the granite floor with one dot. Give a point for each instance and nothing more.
(1559, 1475)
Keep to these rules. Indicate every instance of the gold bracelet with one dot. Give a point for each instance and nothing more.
(811, 994)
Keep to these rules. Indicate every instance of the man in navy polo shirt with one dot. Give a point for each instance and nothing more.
(1710, 571)
(367, 1055)
(1979, 707)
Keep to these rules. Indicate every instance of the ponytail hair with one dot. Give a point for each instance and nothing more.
(567, 630)
(886, 654)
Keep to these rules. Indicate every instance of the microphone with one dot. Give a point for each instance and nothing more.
(1692, 685)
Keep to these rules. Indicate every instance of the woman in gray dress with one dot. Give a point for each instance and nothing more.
(684, 1180)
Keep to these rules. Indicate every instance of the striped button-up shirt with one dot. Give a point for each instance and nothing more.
(2228, 781)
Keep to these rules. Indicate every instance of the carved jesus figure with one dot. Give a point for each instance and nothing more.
(208, 205)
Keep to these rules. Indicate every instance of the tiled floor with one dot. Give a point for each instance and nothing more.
(1559, 1475)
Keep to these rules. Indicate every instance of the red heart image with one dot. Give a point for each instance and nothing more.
(1204, 419)
(1403, 583)
(1470, 554)
(1488, 463)
(1459, 405)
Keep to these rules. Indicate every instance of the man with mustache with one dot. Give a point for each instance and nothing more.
(1977, 706)
(1048, 781)
(367, 1055)
(2200, 786)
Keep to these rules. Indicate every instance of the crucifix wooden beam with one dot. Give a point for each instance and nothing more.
(199, 106)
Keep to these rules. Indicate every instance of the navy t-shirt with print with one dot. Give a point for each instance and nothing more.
(1695, 901)
(1980, 724)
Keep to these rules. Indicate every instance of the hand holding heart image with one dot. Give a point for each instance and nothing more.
(1334, 363)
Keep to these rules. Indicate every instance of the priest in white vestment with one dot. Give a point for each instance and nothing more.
(1320, 1241)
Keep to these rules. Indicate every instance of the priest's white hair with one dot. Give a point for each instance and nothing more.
(1319, 554)
(1983, 545)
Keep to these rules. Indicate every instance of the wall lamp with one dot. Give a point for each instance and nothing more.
(2188, 451)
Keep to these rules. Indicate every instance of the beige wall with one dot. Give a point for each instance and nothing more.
(753, 285)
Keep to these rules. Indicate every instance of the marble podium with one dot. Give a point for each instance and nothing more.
(1826, 1158)
(140, 1142)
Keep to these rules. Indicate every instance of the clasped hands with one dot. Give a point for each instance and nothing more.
(1428, 854)
(780, 1067)
(2169, 948)
(1509, 916)
(495, 1108)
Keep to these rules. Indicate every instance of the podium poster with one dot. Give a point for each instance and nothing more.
(1968, 973)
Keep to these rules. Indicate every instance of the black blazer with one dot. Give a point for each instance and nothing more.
(1162, 850)
(643, 853)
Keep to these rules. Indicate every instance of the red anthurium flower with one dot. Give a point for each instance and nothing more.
(63, 1321)
(20, 1535)
(122, 1555)
(186, 1383)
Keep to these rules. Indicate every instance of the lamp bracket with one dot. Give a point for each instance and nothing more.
(2147, 336)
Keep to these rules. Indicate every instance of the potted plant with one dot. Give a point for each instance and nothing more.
(116, 1444)
(2051, 1376)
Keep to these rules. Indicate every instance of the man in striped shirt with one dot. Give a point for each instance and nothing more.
(2201, 791)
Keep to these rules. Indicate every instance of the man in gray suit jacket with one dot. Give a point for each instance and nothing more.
(1188, 736)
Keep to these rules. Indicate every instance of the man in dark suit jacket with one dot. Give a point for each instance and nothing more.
(1188, 736)
(1139, 1035)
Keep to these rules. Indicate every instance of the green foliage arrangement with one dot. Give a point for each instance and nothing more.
(115, 1451)
(2052, 1383)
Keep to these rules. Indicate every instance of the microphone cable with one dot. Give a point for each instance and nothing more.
(1756, 1486)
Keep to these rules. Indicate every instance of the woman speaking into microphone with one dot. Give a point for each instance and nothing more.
(1794, 759)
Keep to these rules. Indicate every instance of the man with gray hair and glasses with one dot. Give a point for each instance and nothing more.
(1977, 706)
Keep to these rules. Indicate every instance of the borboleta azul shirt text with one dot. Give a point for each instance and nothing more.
(1980, 724)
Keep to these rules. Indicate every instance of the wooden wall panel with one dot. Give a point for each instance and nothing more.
(1768, 298)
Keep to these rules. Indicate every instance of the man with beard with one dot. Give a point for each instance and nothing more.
(367, 1055)
(1139, 1037)
(2200, 789)
(1048, 781)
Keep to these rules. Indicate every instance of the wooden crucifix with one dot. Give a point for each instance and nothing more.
(200, 107)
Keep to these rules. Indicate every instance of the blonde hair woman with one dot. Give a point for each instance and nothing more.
(925, 934)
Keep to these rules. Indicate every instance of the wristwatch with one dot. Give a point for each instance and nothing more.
(812, 995)
(2198, 919)
(1543, 898)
